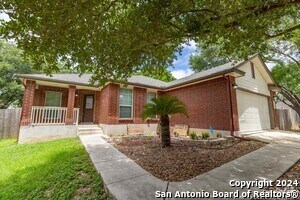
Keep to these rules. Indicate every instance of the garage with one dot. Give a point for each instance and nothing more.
(253, 111)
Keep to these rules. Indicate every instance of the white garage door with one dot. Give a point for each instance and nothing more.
(253, 111)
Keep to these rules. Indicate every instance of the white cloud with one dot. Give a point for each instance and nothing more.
(191, 45)
(181, 73)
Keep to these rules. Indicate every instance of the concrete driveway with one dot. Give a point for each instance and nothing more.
(275, 136)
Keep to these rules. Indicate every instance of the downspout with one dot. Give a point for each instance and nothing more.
(231, 110)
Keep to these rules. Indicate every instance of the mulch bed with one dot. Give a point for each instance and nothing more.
(291, 174)
(185, 159)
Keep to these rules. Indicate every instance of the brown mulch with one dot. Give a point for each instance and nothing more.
(185, 159)
(291, 174)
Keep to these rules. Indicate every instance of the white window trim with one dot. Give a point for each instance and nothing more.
(53, 92)
(132, 103)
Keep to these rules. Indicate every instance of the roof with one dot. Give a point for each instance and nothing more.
(144, 81)
(222, 69)
(83, 80)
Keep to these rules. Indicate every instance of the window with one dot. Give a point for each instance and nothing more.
(252, 70)
(53, 99)
(89, 102)
(150, 95)
(125, 103)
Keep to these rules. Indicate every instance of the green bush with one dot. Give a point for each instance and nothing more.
(193, 135)
(219, 135)
(205, 135)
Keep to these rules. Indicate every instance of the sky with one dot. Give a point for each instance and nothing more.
(181, 66)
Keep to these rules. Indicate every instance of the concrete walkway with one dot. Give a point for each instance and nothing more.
(290, 138)
(124, 179)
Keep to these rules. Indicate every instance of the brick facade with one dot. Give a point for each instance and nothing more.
(28, 102)
(208, 104)
(40, 94)
(109, 104)
(139, 100)
(71, 103)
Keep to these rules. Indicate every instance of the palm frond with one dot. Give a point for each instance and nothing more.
(164, 105)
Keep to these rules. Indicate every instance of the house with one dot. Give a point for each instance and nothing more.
(231, 98)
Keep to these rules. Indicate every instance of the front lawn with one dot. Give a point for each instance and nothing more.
(58, 169)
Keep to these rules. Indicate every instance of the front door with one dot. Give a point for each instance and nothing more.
(88, 108)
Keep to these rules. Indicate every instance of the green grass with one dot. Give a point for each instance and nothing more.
(58, 169)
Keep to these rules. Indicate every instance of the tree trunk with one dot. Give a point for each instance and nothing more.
(293, 99)
(165, 131)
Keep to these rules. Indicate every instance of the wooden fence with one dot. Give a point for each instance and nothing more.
(288, 120)
(9, 123)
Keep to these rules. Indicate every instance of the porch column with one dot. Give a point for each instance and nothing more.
(71, 102)
(27, 104)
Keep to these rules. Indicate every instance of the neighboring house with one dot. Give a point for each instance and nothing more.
(235, 97)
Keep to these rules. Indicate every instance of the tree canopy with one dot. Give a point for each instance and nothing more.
(114, 39)
(288, 78)
(207, 58)
(160, 73)
(11, 63)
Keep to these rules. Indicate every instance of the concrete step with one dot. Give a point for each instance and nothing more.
(89, 130)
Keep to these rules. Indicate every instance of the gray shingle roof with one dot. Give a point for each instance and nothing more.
(84, 79)
(222, 69)
(139, 79)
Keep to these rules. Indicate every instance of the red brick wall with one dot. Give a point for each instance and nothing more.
(139, 100)
(109, 104)
(207, 104)
(40, 93)
(28, 102)
(70, 105)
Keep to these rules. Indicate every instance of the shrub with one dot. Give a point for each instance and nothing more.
(219, 135)
(193, 135)
(149, 137)
(205, 135)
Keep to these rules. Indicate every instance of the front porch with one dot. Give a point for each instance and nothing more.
(52, 104)
(52, 110)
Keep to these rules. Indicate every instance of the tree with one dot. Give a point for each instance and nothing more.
(288, 78)
(11, 63)
(207, 58)
(164, 106)
(160, 73)
(114, 39)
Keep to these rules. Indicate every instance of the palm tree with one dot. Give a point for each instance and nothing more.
(164, 106)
